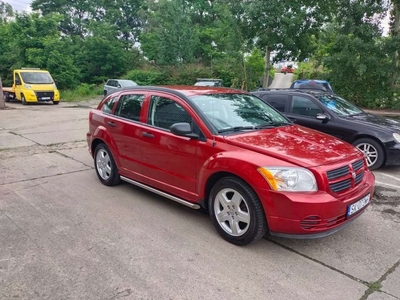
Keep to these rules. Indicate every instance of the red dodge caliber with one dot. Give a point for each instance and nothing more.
(230, 153)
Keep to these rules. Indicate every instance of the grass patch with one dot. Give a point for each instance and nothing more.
(81, 93)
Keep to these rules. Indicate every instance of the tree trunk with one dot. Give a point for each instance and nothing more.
(2, 102)
(267, 59)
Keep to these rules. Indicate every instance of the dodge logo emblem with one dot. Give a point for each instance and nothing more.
(353, 174)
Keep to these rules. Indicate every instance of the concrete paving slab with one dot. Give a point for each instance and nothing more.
(22, 168)
(381, 296)
(9, 140)
(55, 137)
(392, 283)
(99, 242)
(366, 249)
(33, 117)
(80, 154)
(60, 128)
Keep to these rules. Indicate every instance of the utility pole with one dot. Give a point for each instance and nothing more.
(267, 59)
(2, 102)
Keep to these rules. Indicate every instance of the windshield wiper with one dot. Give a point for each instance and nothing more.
(237, 128)
(272, 124)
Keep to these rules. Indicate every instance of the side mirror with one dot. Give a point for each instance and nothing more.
(322, 117)
(183, 129)
(17, 82)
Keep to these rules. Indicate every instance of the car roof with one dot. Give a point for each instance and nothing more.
(188, 90)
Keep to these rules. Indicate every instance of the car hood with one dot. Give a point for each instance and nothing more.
(297, 145)
(376, 121)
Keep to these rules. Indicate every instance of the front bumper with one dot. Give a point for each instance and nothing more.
(41, 96)
(313, 215)
(392, 154)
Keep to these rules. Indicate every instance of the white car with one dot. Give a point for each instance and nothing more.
(113, 85)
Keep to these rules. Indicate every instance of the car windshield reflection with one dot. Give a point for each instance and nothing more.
(238, 112)
(339, 105)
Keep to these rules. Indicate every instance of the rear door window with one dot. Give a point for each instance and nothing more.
(279, 102)
(130, 106)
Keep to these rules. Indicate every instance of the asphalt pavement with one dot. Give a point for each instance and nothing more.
(63, 235)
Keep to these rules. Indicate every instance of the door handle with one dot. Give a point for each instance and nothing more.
(149, 135)
(111, 124)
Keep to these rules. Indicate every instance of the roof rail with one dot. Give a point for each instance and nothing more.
(30, 68)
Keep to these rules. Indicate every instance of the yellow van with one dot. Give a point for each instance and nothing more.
(32, 85)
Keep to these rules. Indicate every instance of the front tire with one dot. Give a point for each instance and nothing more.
(236, 211)
(56, 102)
(23, 100)
(373, 152)
(105, 166)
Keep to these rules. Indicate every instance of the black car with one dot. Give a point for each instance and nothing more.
(378, 137)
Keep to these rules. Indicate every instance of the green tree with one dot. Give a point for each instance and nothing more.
(356, 55)
(169, 37)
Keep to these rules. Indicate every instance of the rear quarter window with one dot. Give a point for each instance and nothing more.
(108, 105)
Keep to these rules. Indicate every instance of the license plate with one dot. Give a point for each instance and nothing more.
(45, 98)
(355, 207)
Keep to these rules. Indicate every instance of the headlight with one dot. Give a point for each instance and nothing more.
(396, 137)
(27, 86)
(289, 179)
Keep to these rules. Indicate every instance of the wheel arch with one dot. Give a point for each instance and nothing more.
(101, 136)
(367, 136)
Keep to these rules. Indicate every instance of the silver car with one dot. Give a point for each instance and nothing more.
(113, 85)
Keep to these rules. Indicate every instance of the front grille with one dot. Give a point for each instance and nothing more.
(358, 164)
(346, 177)
(333, 174)
(46, 95)
(359, 177)
(340, 186)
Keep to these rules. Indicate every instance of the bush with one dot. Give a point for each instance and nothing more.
(147, 77)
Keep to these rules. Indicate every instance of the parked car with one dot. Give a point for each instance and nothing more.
(312, 84)
(113, 85)
(208, 82)
(227, 151)
(287, 69)
(376, 136)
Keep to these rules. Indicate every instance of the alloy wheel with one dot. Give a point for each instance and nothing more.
(103, 164)
(232, 212)
(370, 153)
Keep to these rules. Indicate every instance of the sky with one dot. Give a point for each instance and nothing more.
(19, 5)
(24, 5)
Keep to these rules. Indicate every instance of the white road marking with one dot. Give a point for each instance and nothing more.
(387, 184)
(390, 176)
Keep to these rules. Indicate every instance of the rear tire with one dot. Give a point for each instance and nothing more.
(373, 152)
(6, 97)
(23, 100)
(236, 211)
(105, 166)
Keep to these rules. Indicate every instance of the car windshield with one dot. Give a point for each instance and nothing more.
(338, 105)
(236, 112)
(37, 77)
(127, 83)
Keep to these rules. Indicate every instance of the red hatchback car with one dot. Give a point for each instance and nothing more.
(230, 153)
